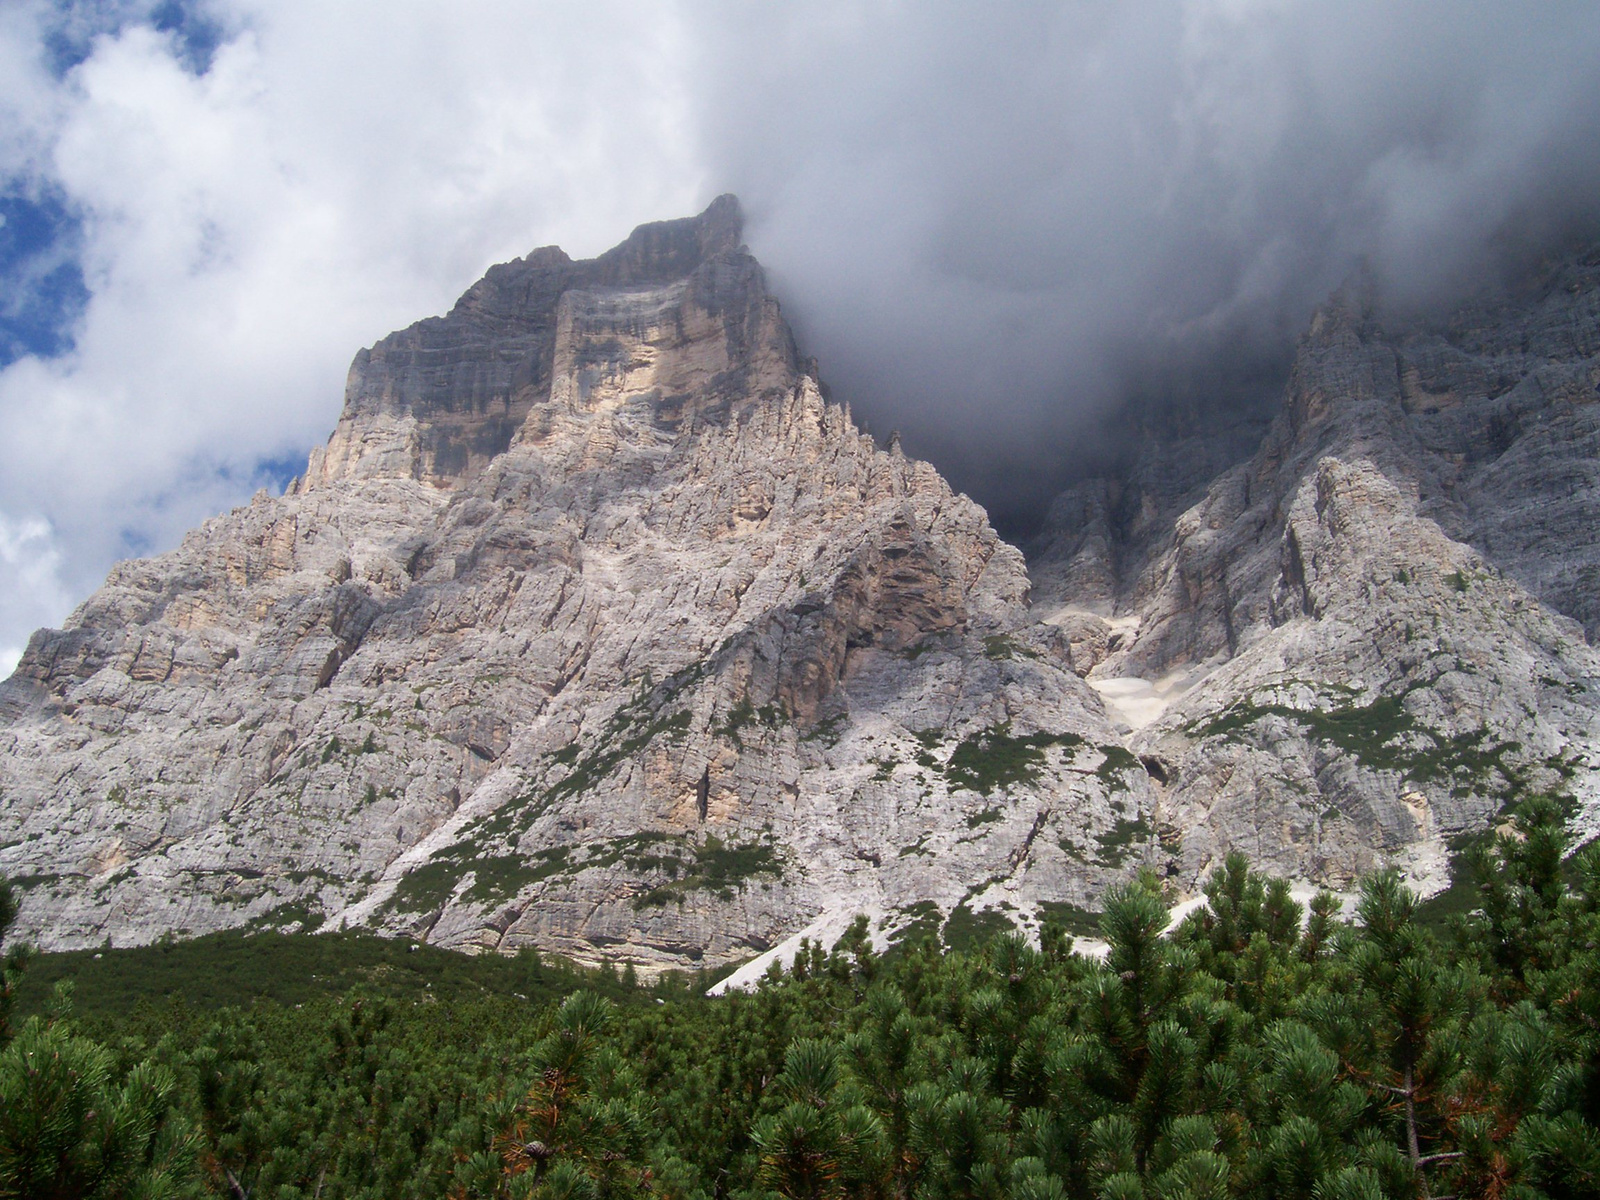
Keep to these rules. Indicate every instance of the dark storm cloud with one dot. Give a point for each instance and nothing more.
(991, 222)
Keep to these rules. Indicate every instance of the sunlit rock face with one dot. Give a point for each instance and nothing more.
(1366, 639)
(593, 627)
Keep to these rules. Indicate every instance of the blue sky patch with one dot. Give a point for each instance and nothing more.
(275, 473)
(135, 543)
(77, 23)
(42, 293)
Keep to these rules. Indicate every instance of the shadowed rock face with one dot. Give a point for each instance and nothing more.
(1488, 416)
(1361, 634)
(593, 627)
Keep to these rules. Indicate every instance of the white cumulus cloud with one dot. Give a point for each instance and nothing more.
(337, 171)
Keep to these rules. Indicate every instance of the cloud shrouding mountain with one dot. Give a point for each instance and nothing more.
(992, 220)
(985, 222)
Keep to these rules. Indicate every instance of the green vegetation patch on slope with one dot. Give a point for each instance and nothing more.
(743, 715)
(615, 745)
(921, 923)
(1385, 736)
(828, 730)
(495, 877)
(1117, 760)
(715, 866)
(1073, 918)
(688, 865)
(1002, 646)
(995, 757)
(1116, 842)
(237, 967)
(630, 729)
(967, 928)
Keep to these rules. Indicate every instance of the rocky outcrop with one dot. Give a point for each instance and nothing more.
(593, 627)
(1363, 642)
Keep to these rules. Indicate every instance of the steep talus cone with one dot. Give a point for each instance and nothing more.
(1368, 638)
(593, 627)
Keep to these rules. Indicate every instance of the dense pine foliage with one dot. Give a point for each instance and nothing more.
(1255, 1050)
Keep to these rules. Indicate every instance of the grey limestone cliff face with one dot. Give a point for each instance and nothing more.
(1368, 638)
(593, 627)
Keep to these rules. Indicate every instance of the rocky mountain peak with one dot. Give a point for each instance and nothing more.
(662, 251)
(439, 400)
(595, 627)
